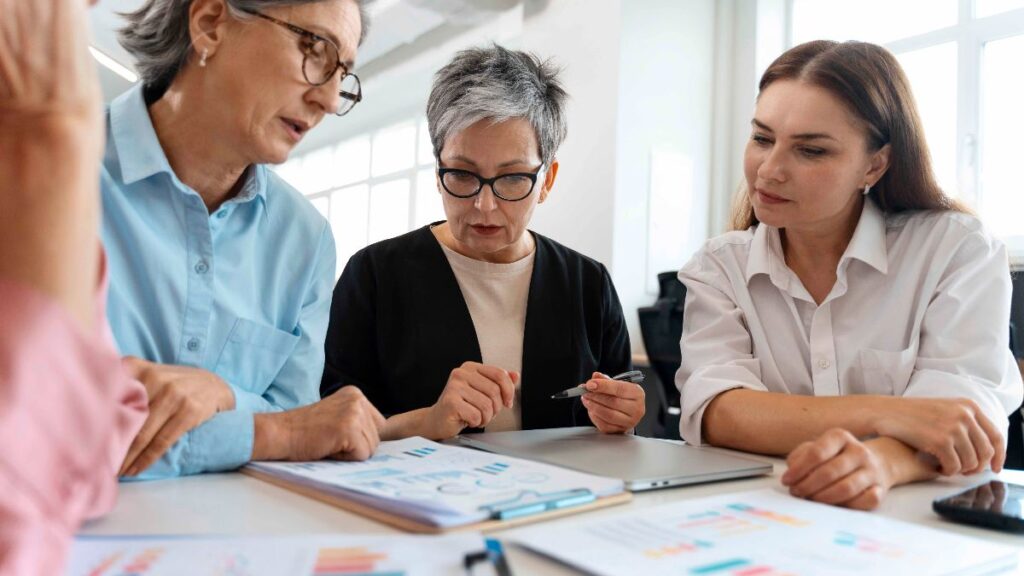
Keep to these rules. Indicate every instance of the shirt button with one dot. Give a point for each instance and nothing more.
(222, 214)
(824, 364)
(202, 267)
(193, 344)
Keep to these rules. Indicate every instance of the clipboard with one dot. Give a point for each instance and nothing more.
(549, 512)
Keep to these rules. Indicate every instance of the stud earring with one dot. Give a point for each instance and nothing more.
(202, 59)
(867, 188)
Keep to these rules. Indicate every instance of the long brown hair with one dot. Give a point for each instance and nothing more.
(870, 82)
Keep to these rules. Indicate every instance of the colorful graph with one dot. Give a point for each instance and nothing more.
(105, 564)
(737, 567)
(718, 525)
(420, 452)
(359, 561)
(493, 469)
(139, 565)
(768, 515)
(647, 537)
(867, 545)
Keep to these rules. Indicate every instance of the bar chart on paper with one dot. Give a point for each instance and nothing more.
(264, 556)
(762, 533)
(438, 485)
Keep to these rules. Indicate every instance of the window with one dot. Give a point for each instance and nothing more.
(371, 187)
(963, 59)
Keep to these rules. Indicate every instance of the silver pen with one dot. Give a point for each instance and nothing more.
(634, 376)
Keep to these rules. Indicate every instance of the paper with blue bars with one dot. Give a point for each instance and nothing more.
(446, 486)
(763, 533)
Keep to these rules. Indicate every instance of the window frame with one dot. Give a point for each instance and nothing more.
(970, 34)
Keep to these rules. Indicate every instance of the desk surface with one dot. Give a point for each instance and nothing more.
(237, 504)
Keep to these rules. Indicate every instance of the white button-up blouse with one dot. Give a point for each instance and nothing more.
(920, 308)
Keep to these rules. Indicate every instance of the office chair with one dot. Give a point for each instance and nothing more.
(661, 327)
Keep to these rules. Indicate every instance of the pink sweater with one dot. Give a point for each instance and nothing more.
(67, 416)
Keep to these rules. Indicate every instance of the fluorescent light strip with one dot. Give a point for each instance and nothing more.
(114, 66)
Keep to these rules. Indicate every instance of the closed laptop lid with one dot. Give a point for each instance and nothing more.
(643, 463)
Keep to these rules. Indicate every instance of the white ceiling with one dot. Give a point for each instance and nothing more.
(396, 26)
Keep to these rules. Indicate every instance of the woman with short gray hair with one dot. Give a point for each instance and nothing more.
(220, 272)
(476, 321)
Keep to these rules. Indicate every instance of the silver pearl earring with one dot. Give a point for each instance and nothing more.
(202, 59)
(867, 188)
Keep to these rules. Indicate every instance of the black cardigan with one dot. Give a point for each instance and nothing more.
(399, 326)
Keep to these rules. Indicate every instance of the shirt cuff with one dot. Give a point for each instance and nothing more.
(703, 386)
(248, 402)
(222, 443)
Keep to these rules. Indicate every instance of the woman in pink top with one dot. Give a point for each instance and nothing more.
(67, 410)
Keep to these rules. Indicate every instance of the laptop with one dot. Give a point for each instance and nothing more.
(642, 463)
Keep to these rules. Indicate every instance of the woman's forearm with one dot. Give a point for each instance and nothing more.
(905, 464)
(49, 208)
(408, 424)
(774, 423)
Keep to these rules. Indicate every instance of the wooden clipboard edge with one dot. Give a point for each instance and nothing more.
(403, 523)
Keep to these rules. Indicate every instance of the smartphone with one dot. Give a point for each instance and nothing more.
(993, 504)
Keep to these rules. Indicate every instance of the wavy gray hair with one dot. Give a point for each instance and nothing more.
(498, 84)
(157, 35)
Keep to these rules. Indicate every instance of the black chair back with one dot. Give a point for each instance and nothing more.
(1015, 437)
(661, 326)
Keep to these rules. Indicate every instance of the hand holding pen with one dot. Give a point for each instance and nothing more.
(615, 404)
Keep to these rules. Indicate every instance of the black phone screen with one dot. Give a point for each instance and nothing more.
(998, 504)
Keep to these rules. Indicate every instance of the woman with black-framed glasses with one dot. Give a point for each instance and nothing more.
(477, 321)
(220, 272)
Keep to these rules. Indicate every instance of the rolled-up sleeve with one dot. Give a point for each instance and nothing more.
(964, 350)
(717, 354)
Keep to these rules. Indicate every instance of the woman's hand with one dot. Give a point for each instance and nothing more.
(839, 469)
(614, 406)
(953, 430)
(51, 142)
(473, 396)
(45, 67)
(180, 398)
(342, 426)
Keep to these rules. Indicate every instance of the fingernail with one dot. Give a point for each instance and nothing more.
(591, 385)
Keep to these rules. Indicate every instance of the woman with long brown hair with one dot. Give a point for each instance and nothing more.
(856, 318)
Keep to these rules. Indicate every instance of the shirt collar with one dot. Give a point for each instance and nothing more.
(138, 149)
(141, 155)
(868, 242)
(866, 245)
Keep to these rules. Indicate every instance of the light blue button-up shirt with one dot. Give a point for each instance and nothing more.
(244, 292)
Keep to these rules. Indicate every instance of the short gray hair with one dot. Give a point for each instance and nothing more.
(157, 35)
(498, 84)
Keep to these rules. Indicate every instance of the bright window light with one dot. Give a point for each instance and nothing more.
(114, 66)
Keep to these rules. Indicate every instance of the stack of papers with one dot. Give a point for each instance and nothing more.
(445, 486)
(274, 556)
(765, 533)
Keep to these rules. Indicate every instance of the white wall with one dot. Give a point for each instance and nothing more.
(640, 78)
(665, 93)
(583, 36)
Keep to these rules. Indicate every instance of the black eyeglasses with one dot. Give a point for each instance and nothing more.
(509, 187)
(320, 60)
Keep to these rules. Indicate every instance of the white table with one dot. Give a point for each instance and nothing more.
(237, 504)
